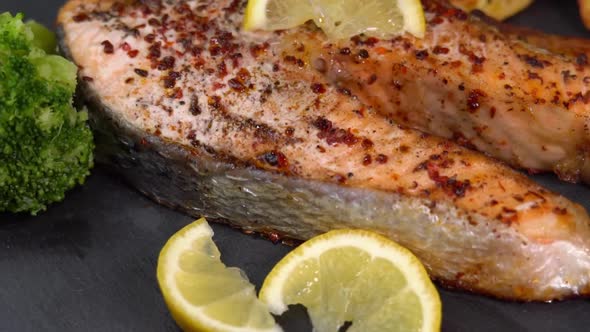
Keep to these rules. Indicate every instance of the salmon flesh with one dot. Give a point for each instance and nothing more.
(216, 122)
(519, 96)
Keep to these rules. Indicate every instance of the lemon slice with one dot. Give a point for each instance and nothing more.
(339, 19)
(358, 277)
(498, 9)
(201, 292)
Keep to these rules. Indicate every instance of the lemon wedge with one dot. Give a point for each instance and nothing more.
(339, 19)
(201, 292)
(498, 9)
(357, 277)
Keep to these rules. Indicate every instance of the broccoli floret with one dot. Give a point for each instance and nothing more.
(45, 144)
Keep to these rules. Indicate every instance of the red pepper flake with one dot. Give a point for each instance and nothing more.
(334, 136)
(132, 53)
(81, 17)
(450, 185)
(235, 59)
(240, 83)
(218, 86)
(508, 215)
(108, 47)
(150, 38)
(275, 238)
(382, 159)
(318, 88)
(492, 112)
(170, 80)
(177, 93)
(167, 63)
(364, 54)
(194, 107)
(533, 61)
(141, 72)
(461, 15)
(222, 44)
(339, 178)
(367, 144)
(221, 70)
(155, 51)
(440, 50)
(360, 40)
(87, 78)
(215, 103)
(473, 100)
(436, 21)
(322, 124)
(371, 41)
(475, 60)
(275, 159)
(290, 131)
(243, 75)
(154, 22)
(236, 85)
(421, 55)
(129, 80)
(259, 49)
(125, 47)
(367, 160)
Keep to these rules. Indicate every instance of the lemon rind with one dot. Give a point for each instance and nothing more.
(375, 245)
(180, 307)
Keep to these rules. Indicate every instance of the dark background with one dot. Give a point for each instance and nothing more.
(88, 264)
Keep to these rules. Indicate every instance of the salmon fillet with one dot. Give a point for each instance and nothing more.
(518, 96)
(213, 121)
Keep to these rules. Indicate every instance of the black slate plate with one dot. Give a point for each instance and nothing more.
(89, 263)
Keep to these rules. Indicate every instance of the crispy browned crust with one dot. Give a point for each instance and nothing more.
(564, 45)
(567, 46)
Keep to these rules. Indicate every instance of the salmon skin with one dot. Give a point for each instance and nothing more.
(205, 118)
(519, 96)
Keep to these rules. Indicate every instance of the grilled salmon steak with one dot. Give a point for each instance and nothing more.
(527, 103)
(238, 126)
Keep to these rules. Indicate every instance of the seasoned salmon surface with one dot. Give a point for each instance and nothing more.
(520, 96)
(242, 126)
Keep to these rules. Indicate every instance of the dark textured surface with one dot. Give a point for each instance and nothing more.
(88, 264)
